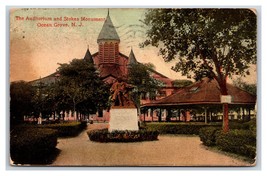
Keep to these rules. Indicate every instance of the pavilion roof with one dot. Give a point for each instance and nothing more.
(205, 91)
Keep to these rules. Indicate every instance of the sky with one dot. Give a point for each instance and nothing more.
(37, 46)
(36, 50)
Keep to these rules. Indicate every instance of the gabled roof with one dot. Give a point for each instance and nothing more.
(205, 91)
(111, 70)
(108, 31)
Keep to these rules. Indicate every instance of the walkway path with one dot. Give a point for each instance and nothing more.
(169, 150)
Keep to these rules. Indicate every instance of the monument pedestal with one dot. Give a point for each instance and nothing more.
(123, 119)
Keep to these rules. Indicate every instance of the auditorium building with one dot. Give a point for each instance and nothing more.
(112, 64)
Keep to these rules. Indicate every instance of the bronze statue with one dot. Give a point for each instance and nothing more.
(120, 93)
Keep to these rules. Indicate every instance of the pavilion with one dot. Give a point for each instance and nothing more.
(201, 101)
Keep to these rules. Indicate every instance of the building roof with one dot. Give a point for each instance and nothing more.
(205, 91)
(132, 60)
(110, 70)
(88, 57)
(45, 80)
(108, 31)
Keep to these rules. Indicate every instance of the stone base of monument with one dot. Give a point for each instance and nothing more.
(122, 119)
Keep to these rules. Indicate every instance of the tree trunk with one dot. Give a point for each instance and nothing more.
(243, 114)
(168, 116)
(151, 114)
(249, 114)
(206, 115)
(225, 118)
(74, 108)
(225, 106)
(179, 114)
(160, 115)
(223, 89)
(144, 116)
(63, 116)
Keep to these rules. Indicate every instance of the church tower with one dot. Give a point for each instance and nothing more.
(108, 43)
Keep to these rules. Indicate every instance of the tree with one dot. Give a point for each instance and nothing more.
(251, 88)
(45, 99)
(150, 65)
(179, 83)
(80, 87)
(41, 100)
(21, 104)
(214, 43)
(139, 76)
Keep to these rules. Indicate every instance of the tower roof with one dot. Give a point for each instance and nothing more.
(88, 57)
(132, 59)
(108, 31)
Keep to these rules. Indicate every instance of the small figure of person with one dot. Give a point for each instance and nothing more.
(39, 121)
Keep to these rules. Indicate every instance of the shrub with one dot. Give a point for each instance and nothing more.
(177, 128)
(251, 125)
(241, 125)
(66, 129)
(141, 125)
(249, 151)
(83, 125)
(208, 135)
(233, 125)
(237, 125)
(32, 145)
(122, 136)
(242, 142)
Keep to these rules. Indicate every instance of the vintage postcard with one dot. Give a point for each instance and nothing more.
(133, 87)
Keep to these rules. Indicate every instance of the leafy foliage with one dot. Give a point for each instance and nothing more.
(181, 83)
(251, 88)
(21, 96)
(32, 145)
(238, 141)
(44, 100)
(240, 125)
(241, 139)
(208, 135)
(216, 43)
(150, 65)
(122, 136)
(251, 125)
(139, 76)
(177, 128)
(80, 87)
(66, 129)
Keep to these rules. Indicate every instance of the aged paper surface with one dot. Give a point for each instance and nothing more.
(40, 38)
